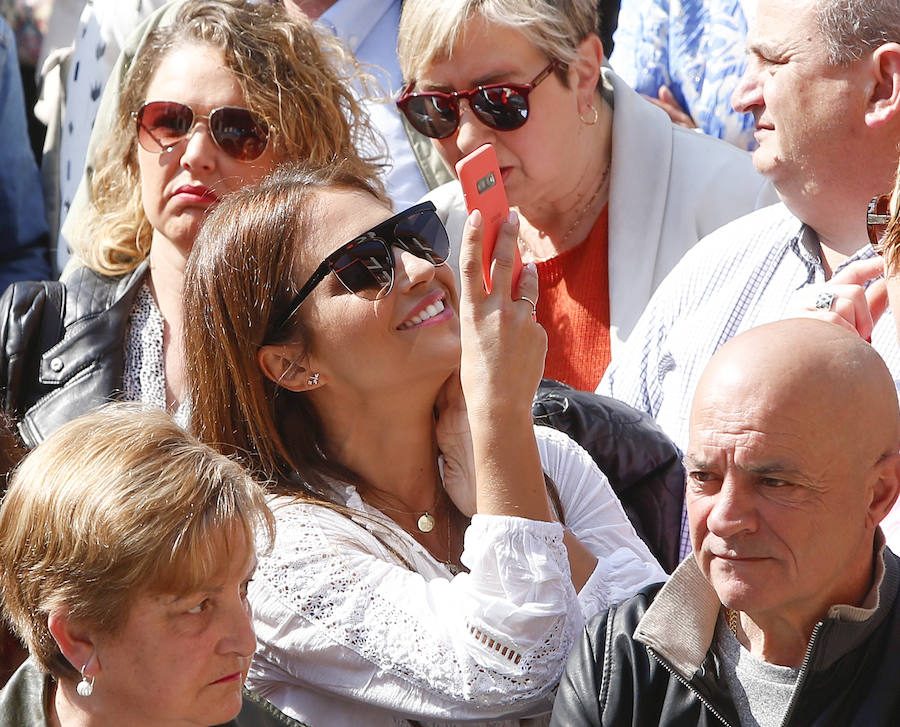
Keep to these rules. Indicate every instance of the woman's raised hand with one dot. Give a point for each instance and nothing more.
(503, 350)
(503, 347)
(854, 298)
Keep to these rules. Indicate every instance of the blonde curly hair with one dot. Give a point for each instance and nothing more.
(296, 77)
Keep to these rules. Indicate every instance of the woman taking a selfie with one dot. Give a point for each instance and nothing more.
(214, 98)
(435, 552)
(126, 547)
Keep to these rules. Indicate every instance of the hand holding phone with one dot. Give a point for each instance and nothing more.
(482, 185)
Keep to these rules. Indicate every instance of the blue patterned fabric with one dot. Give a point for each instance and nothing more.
(697, 49)
(23, 225)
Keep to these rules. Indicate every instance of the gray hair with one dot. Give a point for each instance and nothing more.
(429, 29)
(853, 27)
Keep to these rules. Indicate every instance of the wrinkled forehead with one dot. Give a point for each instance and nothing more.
(783, 21)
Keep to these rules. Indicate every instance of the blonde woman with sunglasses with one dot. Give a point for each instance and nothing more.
(217, 95)
(435, 552)
(609, 192)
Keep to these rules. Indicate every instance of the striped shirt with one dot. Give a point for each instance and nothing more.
(744, 274)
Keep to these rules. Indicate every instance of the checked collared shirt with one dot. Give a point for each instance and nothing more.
(751, 271)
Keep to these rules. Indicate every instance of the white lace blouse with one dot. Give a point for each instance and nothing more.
(348, 635)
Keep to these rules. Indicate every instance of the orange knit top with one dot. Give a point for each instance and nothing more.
(573, 308)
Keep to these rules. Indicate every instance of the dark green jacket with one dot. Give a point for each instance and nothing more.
(23, 698)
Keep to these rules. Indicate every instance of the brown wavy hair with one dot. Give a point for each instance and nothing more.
(239, 281)
(292, 74)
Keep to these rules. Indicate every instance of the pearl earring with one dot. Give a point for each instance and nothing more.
(313, 380)
(85, 688)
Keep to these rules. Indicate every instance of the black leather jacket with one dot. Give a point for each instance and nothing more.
(62, 347)
(850, 675)
(23, 698)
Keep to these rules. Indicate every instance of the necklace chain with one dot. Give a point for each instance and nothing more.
(426, 521)
(584, 210)
(579, 219)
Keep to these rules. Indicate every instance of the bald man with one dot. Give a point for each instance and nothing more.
(787, 612)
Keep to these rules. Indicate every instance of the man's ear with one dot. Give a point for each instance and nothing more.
(884, 98)
(74, 642)
(281, 364)
(885, 488)
(586, 68)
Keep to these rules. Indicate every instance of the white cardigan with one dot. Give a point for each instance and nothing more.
(669, 187)
(349, 636)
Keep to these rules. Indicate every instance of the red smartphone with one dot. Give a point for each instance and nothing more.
(482, 185)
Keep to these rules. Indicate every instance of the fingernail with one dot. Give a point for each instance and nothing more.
(513, 217)
(531, 267)
(475, 218)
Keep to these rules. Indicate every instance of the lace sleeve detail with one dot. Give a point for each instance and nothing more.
(330, 599)
(595, 516)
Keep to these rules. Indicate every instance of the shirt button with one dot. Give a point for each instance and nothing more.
(56, 364)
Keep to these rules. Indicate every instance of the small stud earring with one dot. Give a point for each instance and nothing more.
(85, 688)
(313, 380)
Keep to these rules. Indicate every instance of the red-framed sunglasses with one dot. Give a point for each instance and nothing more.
(502, 106)
(878, 215)
(237, 131)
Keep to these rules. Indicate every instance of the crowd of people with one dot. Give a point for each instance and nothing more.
(277, 456)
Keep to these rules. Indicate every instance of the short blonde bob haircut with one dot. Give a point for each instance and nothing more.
(116, 504)
(430, 29)
(293, 75)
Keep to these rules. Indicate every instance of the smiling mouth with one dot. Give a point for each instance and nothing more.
(430, 311)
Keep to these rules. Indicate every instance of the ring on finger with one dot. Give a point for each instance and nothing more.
(825, 300)
(533, 304)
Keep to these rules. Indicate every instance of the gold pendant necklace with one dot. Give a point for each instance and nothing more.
(425, 523)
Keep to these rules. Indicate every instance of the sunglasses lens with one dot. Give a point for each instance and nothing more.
(434, 115)
(423, 234)
(366, 269)
(239, 133)
(501, 107)
(162, 124)
(878, 215)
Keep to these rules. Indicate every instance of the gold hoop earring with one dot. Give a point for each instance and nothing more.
(594, 119)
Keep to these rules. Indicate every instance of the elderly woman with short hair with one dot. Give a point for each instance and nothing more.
(609, 193)
(126, 549)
